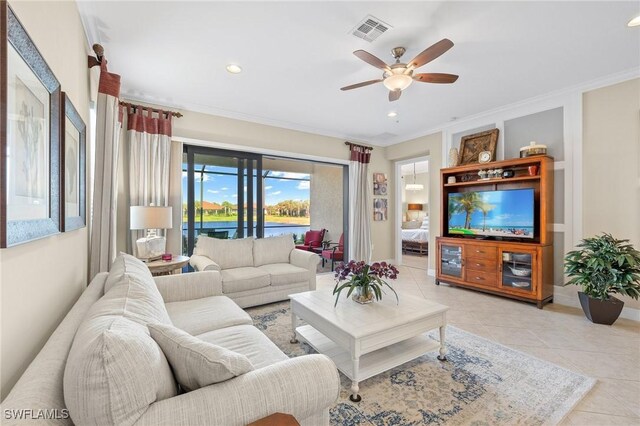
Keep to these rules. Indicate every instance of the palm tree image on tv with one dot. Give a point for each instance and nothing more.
(507, 213)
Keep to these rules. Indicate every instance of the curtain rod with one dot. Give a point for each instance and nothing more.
(129, 104)
(361, 146)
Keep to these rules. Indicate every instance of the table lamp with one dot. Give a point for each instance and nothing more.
(151, 218)
(413, 208)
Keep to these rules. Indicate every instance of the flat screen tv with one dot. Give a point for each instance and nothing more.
(495, 214)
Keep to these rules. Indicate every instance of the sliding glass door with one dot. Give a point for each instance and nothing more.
(223, 195)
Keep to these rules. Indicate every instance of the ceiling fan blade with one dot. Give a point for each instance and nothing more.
(431, 53)
(364, 83)
(371, 60)
(435, 77)
(394, 95)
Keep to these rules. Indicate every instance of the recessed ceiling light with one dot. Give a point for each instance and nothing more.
(234, 69)
(392, 114)
(634, 22)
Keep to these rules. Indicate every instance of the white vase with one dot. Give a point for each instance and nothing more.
(453, 157)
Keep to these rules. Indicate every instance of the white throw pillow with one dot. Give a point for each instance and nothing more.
(267, 251)
(228, 254)
(195, 362)
(114, 371)
(414, 224)
(125, 264)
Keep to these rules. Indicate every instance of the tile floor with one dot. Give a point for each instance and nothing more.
(558, 334)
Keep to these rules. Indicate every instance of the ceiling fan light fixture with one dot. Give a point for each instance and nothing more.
(634, 22)
(397, 81)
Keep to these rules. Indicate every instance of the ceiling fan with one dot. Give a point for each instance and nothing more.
(399, 76)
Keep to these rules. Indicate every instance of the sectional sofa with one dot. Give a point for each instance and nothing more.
(101, 365)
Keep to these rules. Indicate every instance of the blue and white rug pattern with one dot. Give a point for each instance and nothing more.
(481, 383)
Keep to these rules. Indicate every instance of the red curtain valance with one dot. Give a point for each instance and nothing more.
(109, 82)
(361, 154)
(143, 121)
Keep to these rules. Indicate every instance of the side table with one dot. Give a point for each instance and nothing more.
(167, 267)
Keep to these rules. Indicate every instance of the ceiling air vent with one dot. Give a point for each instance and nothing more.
(370, 28)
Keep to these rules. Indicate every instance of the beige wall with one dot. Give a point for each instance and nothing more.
(611, 163)
(40, 280)
(327, 200)
(430, 145)
(417, 197)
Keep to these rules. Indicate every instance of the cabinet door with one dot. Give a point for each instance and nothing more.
(451, 264)
(518, 270)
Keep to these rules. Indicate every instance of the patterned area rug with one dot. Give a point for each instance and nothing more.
(482, 383)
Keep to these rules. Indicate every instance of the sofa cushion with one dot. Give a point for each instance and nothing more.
(226, 253)
(123, 265)
(241, 279)
(285, 273)
(249, 341)
(114, 371)
(272, 250)
(206, 314)
(195, 362)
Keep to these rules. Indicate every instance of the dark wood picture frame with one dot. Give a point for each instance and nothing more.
(472, 145)
(70, 223)
(18, 231)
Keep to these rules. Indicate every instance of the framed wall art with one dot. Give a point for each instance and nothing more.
(380, 209)
(29, 138)
(472, 145)
(73, 167)
(380, 184)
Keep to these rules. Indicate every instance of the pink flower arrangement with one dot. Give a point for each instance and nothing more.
(366, 279)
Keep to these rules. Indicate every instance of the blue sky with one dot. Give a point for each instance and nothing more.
(513, 208)
(220, 188)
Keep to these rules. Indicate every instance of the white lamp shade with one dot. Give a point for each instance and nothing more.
(151, 217)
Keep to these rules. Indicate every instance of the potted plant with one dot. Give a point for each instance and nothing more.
(603, 266)
(363, 280)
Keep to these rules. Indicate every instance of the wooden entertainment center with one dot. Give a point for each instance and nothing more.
(519, 268)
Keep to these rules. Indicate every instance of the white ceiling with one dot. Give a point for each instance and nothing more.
(296, 56)
(421, 167)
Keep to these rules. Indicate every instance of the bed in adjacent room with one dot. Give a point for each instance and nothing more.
(415, 237)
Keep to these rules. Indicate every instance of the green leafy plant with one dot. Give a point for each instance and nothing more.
(368, 278)
(604, 265)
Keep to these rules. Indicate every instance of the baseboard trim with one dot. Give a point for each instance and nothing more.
(632, 314)
(431, 272)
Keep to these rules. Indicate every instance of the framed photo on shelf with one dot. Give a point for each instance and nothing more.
(380, 209)
(472, 145)
(380, 184)
(73, 166)
(29, 137)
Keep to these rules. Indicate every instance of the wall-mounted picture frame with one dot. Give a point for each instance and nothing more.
(380, 184)
(73, 166)
(29, 137)
(472, 145)
(380, 208)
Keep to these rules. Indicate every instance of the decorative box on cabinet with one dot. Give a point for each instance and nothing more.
(520, 270)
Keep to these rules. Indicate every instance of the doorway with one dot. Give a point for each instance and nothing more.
(412, 214)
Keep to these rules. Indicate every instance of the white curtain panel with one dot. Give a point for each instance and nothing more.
(360, 208)
(174, 235)
(104, 204)
(149, 141)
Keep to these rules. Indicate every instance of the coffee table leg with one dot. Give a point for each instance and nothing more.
(354, 384)
(443, 347)
(294, 325)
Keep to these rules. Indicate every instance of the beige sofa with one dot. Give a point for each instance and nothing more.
(257, 271)
(101, 365)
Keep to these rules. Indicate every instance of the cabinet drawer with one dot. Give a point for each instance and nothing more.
(482, 264)
(481, 278)
(479, 251)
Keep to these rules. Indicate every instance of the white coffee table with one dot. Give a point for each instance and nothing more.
(365, 340)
